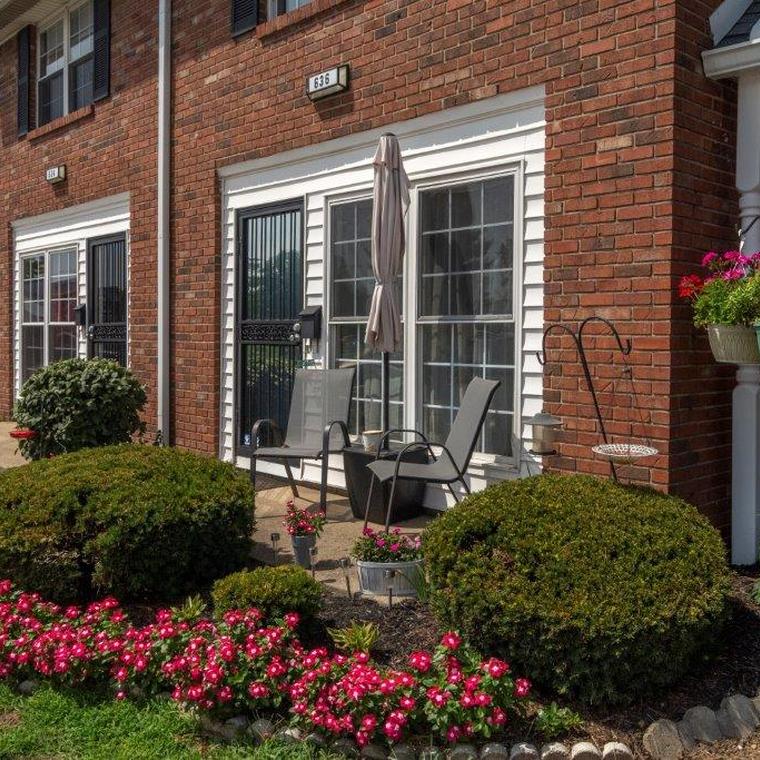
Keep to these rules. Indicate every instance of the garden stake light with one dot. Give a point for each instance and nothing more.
(274, 538)
(312, 564)
(345, 565)
(389, 576)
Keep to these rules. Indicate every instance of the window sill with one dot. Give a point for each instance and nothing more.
(60, 122)
(286, 20)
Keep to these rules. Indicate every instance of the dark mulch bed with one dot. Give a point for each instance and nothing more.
(735, 668)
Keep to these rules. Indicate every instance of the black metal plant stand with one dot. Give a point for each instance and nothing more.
(625, 349)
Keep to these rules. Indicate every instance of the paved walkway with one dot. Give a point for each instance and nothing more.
(9, 456)
(335, 543)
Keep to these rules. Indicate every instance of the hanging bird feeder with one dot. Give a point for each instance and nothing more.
(545, 427)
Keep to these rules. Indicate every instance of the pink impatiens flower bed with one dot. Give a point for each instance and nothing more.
(243, 662)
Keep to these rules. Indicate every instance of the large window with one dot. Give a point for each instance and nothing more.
(65, 68)
(48, 300)
(352, 283)
(465, 304)
(463, 301)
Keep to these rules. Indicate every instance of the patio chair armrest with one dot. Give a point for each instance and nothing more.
(264, 423)
(429, 446)
(328, 431)
(385, 435)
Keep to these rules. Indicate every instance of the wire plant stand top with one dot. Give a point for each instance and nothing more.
(625, 452)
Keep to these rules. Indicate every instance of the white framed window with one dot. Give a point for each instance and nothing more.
(48, 300)
(278, 7)
(459, 286)
(65, 64)
(351, 285)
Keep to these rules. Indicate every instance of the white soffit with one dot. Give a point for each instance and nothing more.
(16, 14)
(725, 16)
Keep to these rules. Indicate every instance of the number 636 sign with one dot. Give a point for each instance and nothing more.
(327, 82)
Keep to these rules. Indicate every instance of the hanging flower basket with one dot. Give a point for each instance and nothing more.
(734, 344)
(23, 434)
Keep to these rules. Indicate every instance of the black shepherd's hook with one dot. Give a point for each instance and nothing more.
(625, 349)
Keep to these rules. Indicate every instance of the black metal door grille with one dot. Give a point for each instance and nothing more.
(107, 323)
(270, 275)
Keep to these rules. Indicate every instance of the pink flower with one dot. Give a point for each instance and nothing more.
(451, 640)
(522, 687)
(453, 734)
(292, 619)
(496, 668)
(709, 258)
(420, 661)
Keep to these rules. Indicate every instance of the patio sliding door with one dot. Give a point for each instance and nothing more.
(270, 297)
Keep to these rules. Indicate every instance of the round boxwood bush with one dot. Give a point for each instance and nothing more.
(76, 404)
(135, 521)
(592, 589)
(273, 590)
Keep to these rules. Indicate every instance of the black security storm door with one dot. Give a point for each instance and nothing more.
(270, 297)
(107, 298)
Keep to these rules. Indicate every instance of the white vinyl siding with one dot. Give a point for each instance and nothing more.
(497, 138)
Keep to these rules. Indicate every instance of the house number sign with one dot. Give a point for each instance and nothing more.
(327, 82)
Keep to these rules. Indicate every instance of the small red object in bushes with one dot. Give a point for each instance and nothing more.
(23, 434)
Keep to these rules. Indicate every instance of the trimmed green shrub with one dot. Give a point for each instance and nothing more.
(273, 590)
(76, 404)
(592, 589)
(136, 521)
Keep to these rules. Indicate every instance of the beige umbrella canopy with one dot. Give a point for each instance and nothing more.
(390, 202)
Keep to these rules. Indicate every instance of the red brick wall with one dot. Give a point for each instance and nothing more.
(110, 151)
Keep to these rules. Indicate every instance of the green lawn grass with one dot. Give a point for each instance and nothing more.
(62, 725)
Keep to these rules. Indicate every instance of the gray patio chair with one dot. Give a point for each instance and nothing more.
(317, 424)
(451, 466)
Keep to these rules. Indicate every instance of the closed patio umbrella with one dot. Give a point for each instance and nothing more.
(390, 202)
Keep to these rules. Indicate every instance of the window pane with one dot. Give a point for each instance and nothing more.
(466, 205)
(81, 83)
(435, 210)
(51, 104)
(63, 342)
(465, 294)
(81, 31)
(33, 289)
(32, 350)
(435, 296)
(62, 286)
(497, 292)
(498, 434)
(51, 49)
(343, 261)
(435, 253)
(498, 200)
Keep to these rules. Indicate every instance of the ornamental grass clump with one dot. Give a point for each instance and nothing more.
(242, 660)
(136, 521)
(729, 291)
(600, 591)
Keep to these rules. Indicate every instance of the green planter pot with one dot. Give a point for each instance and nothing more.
(734, 344)
(374, 582)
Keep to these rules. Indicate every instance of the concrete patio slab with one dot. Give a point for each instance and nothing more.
(335, 543)
(9, 456)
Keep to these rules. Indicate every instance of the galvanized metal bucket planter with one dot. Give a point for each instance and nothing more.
(734, 344)
(301, 546)
(375, 578)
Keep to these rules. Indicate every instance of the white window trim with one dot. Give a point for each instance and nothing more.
(412, 327)
(65, 16)
(46, 322)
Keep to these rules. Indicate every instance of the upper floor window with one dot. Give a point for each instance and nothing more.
(277, 7)
(66, 66)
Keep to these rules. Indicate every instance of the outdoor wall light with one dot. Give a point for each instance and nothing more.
(545, 428)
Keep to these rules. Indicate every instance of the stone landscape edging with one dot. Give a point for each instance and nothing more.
(737, 718)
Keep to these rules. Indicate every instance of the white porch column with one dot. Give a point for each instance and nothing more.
(748, 158)
(745, 486)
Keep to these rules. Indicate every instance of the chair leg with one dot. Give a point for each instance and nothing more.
(369, 498)
(291, 480)
(323, 484)
(453, 492)
(253, 472)
(389, 508)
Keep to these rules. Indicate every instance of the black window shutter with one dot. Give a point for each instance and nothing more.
(23, 43)
(245, 16)
(101, 75)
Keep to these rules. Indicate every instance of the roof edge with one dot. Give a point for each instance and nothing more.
(724, 17)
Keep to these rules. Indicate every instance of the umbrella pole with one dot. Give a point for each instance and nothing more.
(385, 386)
